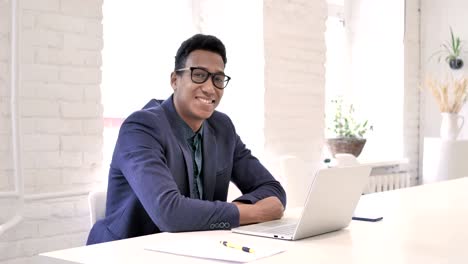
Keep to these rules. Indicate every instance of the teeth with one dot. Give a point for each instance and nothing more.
(206, 101)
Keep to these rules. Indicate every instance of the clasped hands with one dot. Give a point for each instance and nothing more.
(264, 210)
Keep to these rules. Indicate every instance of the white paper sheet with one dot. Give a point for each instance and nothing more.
(210, 248)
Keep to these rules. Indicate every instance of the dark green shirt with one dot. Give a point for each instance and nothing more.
(195, 143)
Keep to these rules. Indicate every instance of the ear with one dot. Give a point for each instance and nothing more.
(174, 81)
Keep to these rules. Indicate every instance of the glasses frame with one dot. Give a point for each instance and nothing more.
(212, 75)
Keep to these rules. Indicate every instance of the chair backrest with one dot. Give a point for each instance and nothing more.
(297, 182)
(97, 205)
(345, 159)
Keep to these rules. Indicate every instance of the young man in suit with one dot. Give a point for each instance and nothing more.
(174, 159)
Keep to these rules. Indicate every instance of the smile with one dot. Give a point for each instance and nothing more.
(206, 101)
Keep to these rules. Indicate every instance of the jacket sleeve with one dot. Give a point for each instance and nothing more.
(141, 157)
(252, 178)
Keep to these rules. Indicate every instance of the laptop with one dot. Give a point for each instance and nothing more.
(330, 204)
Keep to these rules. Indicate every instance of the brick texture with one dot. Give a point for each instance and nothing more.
(5, 93)
(411, 121)
(60, 106)
(60, 121)
(295, 82)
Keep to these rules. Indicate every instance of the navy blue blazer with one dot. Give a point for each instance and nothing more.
(151, 176)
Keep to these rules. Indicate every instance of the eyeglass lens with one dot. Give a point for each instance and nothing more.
(200, 76)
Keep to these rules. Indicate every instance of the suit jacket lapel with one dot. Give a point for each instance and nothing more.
(209, 162)
(171, 114)
(189, 166)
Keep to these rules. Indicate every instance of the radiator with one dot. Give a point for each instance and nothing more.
(386, 178)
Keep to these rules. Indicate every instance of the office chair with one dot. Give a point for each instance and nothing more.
(97, 205)
(293, 170)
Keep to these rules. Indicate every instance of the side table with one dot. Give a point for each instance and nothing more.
(444, 159)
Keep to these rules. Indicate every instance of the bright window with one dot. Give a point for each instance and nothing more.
(140, 42)
(365, 65)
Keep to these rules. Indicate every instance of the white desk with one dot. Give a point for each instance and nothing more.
(424, 224)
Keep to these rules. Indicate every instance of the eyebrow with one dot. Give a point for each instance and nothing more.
(208, 70)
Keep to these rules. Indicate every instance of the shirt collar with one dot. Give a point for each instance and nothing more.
(187, 132)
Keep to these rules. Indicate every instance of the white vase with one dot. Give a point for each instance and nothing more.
(451, 126)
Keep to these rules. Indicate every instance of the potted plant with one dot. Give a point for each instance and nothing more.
(452, 51)
(450, 95)
(349, 133)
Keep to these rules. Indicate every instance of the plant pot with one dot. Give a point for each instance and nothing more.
(456, 63)
(346, 145)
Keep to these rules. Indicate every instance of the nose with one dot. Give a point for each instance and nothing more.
(208, 87)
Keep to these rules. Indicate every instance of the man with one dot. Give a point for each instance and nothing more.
(174, 159)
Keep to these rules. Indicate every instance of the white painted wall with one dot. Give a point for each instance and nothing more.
(436, 18)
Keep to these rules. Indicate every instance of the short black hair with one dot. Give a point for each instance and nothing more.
(199, 42)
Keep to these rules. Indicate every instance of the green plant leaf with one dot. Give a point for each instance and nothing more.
(343, 122)
(449, 50)
(453, 39)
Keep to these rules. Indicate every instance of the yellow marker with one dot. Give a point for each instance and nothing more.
(231, 245)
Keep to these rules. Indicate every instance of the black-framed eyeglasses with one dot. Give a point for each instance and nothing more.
(200, 75)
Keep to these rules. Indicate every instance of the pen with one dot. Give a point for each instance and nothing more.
(231, 245)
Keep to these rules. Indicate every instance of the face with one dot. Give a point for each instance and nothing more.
(197, 102)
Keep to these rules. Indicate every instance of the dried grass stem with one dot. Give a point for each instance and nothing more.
(450, 95)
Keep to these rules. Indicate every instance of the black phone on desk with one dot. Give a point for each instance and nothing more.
(368, 218)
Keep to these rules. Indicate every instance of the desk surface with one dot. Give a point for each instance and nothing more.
(424, 224)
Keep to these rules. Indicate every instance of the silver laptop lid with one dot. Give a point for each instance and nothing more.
(332, 199)
(329, 206)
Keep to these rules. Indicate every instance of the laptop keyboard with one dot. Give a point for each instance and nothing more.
(282, 230)
(279, 227)
(276, 223)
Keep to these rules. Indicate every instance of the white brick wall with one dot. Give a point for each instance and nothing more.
(81, 110)
(39, 108)
(50, 225)
(60, 122)
(42, 179)
(41, 5)
(411, 125)
(42, 38)
(60, 106)
(5, 124)
(294, 81)
(61, 23)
